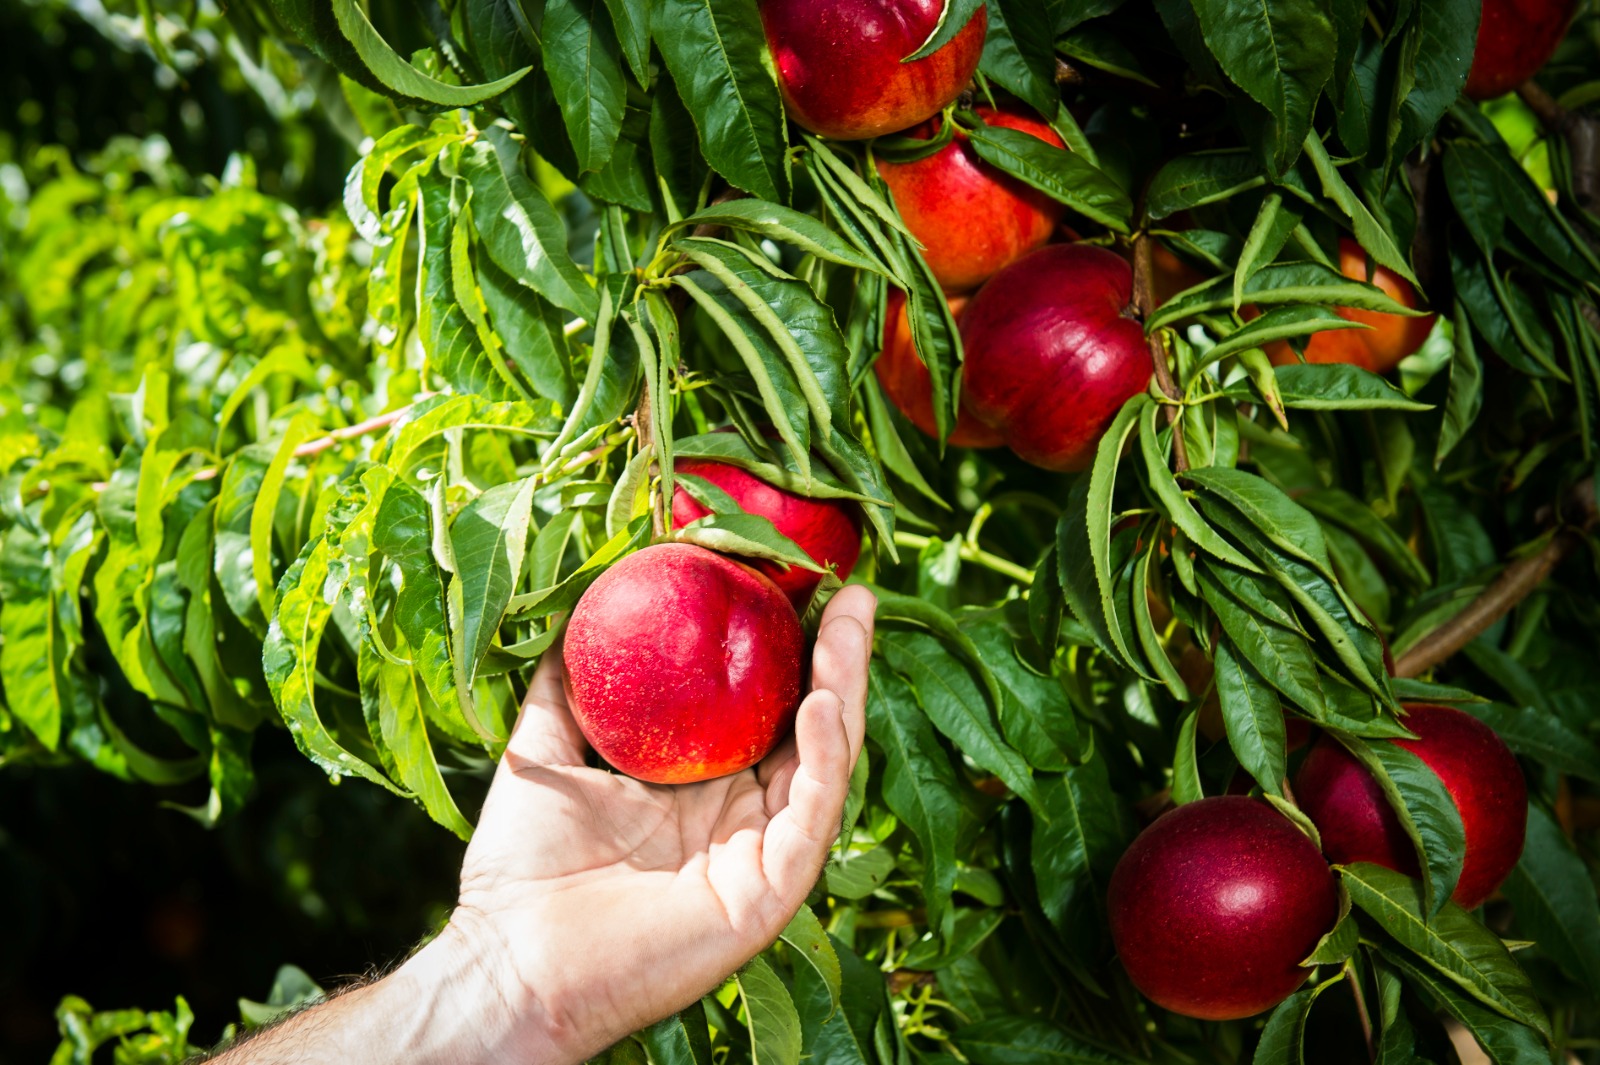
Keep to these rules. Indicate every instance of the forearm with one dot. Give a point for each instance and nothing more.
(441, 1007)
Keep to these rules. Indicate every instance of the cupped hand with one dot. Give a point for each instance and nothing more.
(599, 903)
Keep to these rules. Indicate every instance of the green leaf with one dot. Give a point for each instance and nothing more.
(843, 1035)
(750, 535)
(1010, 1040)
(1506, 1041)
(520, 229)
(1447, 33)
(1278, 654)
(1074, 852)
(1306, 386)
(681, 1039)
(1035, 714)
(808, 940)
(1195, 180)
(1341, 941)
(1176, 505)
(780, 223)
(1057, 173)
(580, 57)
(1253, 717)
(1101, 482)
(769, 1014)
(1279, 55)
(1268, 234)
(919, 784)
(953, 18)
(489, 537)
(1283, 1038)
(1280, 323)
(1430, 817)
(1017, 53)
(1465, 397)
(401, 77)
(1341, 508)
(1186, 786)
(1454, 944)
(1541, 736)
(1369, 233)
(1554, 899)
(1144, 626)
(714, 50)
(1296, 282)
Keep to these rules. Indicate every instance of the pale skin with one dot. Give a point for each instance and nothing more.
(592, 904)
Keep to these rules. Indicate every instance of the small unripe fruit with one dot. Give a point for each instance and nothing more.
(1215, 906)
(839, 63)
(971, 218)
(1475, 766)
(683, 665)
(1053, 351)
(826, 529)
(907, 384)
(1380, 348)
(1515, 39)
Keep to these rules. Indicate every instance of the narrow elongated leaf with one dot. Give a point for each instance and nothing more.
(1507, 1042)
(1176, 505)
(1283, 1038)
(1011, 1040)
(1453, 944)
(581, 59)
(1296, 282)
(1268, 234)
(401, 77)
(919, 784)
(1253, 717)
(714, 50)
(780, 223)
(770, 1015)
(953, 18)
(1554, 898)
(1056, 172)
(1204, 177)
(1074, 853)
(807, 938)
(1305, 386)
(489, 538)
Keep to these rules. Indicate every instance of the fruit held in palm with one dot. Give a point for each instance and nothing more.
(1380, 348)
(1515, 39)
(683, 665)
(1477, 769)
(971, 218)
(1053, 351)
(1215, 906)
(909, 387)
(826, 529)
(839, 63)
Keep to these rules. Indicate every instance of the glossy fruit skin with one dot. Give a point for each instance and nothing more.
(839, 63)
(1515, 39)
(1216, 904)
(828, 530)
(971, 218)
(1477, 768)
(1380, 348)
(907, 384)
(683, 665)
(1052, 352)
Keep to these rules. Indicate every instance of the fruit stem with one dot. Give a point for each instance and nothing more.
(1144, 303)
(970, 553)
(1515, 583)
(1356, 993)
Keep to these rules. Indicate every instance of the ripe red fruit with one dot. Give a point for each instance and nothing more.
(907, 384)
(839, 63)
(1053, 351)
(1515, 39)
(971, 218)
(1215, 905)
(1380, 348)
(1477, 769)
(683, 665)
(828, 530)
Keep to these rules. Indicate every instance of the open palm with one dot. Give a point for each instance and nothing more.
(608, 902)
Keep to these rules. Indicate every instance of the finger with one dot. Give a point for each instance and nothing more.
(839, 661)
(545, 732)
(799, 835)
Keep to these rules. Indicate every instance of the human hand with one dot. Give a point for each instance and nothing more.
(595, 904)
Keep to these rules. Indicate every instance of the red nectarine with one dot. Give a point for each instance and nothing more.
(828, 530)
(683, 665)
(907, 384)
(1515, 39)
(1379, 349)
(1215, 906)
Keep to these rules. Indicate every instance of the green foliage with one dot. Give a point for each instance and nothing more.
(273, 463)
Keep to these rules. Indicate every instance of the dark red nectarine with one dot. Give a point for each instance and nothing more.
(1053, 350)
(828, 530)
(1515, 39)
(907, 384)
(683, 665)
(839, 63)
(1477, 769)
(971, 218)
(1380, 348)
(1215, 906)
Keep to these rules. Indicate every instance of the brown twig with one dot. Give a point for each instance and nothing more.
(1550, 113)
(1145, 304)
(1582, 134)
(1514, 584)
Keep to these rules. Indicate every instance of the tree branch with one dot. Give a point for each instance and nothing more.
(1515, 583)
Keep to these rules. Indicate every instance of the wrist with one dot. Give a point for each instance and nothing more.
(463, 1002)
